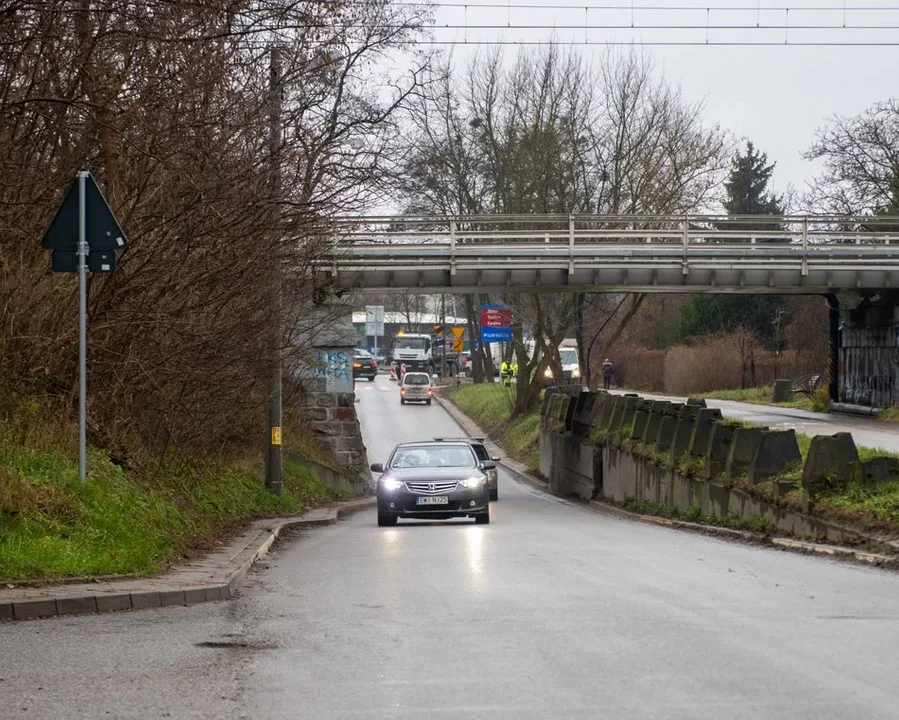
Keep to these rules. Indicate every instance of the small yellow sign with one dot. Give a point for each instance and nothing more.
(276, 436)
(458, 344)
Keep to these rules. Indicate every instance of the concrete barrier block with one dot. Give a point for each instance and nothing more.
(696, 402)
(598, 408)
(875, 472)
(828, 461)
(683, 431)
(583, 413)
(614, 416)
(719, 450)
(667, 426)
(702, 431)
(654, 424)
(777, 450)
(6, 611)
(608, 407)
(743, 447)
(628, 413)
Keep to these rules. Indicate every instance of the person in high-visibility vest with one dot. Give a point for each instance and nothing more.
(505, 371)
(514, 372)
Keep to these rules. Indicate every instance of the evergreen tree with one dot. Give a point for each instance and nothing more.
(747, 194)
(747, 186)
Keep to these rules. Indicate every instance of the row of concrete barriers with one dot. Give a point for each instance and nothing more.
(599, 445)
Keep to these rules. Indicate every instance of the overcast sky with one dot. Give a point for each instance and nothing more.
(776, 95)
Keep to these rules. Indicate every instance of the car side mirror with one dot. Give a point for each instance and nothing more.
(377, 467)
(488, 465)
(496, 459)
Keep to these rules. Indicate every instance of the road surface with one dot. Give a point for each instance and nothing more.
(866, 432)
(551, 611)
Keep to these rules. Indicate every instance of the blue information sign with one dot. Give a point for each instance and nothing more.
(496, 334)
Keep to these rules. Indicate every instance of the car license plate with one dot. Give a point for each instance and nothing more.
(436, 500)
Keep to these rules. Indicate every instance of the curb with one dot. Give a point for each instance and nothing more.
(782, 543)
(245, 558)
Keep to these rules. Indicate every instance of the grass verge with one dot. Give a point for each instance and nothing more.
(121, 523)
(490, 406)
(759, 396)
(694, 514)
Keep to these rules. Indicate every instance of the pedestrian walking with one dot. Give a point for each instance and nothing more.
(607, 373)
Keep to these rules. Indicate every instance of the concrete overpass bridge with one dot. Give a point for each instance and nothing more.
(662, 254)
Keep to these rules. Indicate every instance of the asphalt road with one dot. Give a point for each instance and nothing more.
(551, 611)
(865, 431)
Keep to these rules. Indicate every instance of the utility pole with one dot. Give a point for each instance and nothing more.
(274, 434)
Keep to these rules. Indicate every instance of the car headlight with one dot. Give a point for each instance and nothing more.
(391, 483)
(576, 373)
(474, 481)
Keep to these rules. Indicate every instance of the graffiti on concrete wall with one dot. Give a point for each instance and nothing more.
(335, 365)
(869, 363)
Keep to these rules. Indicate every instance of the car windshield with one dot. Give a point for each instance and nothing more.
(416, 379)
(433, 456)
(411, 344)
(363, 355)
(568, 356)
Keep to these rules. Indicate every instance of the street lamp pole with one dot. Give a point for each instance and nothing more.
(273, 456)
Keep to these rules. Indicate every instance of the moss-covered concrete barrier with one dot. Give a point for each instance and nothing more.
(687, 457)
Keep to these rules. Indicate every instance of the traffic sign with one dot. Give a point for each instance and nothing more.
(458, 344)
(99, 261)
(496, 316)
(102, 229)
(496, 334)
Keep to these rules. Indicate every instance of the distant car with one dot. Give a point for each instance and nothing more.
(480, 451)
(364, 365)
(433, 481)
(416, 387)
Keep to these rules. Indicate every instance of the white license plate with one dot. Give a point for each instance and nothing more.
(436, 500)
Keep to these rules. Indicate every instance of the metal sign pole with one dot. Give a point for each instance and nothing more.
(82, 326)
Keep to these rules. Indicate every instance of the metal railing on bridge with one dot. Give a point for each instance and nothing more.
(670, 253)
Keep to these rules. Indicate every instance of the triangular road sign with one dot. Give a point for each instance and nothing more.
(103, 230)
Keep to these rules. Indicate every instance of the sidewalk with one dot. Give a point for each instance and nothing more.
(217, 576)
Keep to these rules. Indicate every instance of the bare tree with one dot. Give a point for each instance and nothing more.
(167, 104)
(553, 135)
(861, 163)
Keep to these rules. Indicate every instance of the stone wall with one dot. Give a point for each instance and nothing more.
(687, 457)
(330, 401)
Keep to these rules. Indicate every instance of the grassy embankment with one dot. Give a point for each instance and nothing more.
(489, 406)
(122, 522)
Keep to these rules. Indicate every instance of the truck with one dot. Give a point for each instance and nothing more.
(414, 350)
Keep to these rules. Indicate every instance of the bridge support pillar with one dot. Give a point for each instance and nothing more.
(330, 400)
(869, 353)
(833, 306)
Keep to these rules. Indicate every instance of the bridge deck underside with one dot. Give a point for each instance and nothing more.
(785, 270)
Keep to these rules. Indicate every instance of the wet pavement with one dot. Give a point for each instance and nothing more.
(551, 611)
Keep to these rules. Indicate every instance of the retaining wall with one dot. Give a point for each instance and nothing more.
(598, 445)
